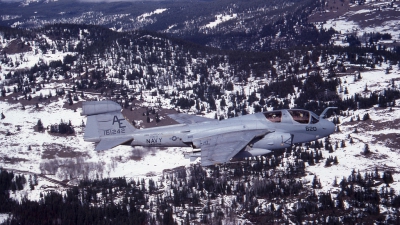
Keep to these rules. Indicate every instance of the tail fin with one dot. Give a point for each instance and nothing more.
(106, 124)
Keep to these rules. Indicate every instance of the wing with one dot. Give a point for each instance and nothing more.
(188, 119)
(221, 148)
(107, 143)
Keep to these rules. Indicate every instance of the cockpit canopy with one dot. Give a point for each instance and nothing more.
(298, 115)
(274, 116)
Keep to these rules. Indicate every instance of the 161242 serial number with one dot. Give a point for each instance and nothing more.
(114, 131)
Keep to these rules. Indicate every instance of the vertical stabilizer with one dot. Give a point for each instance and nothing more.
(106, 124)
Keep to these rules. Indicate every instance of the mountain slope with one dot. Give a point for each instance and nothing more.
(351, 176)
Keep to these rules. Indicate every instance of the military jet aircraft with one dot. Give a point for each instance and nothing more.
(213, 140)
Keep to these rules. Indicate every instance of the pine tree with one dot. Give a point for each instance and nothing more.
(223, 103)
(338, 129)
(342, 144)
(335, 184)
(39, 125)
(366, 117)
(328, 161)
(335, 160)
(330, 148)
(376, 173)
(315, 182)
(387, 177)
(366, 149)
(70, 102)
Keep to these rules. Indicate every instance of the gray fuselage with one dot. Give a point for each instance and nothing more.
(278, 132)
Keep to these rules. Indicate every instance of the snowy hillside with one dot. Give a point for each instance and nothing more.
(30, 150)
(360, 17)
(351, 176)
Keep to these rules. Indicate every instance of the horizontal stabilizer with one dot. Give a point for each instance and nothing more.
(107, 143)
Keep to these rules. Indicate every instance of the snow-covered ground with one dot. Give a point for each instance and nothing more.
(220, 19)
(4, 217)
(351, 157)
(29, 150)
(145, 15)
(70, 158)
(371, 17)
(15, 146)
